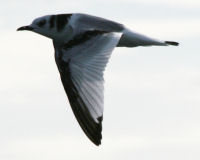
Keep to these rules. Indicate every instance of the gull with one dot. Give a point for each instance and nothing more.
(83, 45)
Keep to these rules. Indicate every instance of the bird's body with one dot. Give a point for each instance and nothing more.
(83, 45)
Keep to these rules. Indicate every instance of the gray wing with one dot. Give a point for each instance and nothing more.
(81, 63)
(82, 22)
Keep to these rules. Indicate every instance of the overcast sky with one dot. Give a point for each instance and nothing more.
(152, 94)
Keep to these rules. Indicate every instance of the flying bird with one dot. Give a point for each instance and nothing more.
(83, 45)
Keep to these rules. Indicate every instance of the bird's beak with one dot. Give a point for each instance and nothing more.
(28, 28)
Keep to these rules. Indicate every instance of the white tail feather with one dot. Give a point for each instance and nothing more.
(132, 39)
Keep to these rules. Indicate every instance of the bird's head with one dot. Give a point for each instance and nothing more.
(51, 26)
(40, 25)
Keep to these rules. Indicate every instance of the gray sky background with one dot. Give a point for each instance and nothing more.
(152, 94)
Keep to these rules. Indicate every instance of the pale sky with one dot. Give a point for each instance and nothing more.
(152, 94)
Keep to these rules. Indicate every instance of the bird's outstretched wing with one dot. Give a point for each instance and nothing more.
(81, 63)
(98, 23)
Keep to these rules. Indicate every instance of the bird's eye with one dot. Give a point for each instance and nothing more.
(41, 23)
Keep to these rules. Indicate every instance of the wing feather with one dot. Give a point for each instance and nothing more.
(81, 67)
(87, 21)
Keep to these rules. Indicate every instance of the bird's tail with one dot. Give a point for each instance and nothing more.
(172, 43)
(132, 39)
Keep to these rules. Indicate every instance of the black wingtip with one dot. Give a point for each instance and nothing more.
(97, 143)
(172, 43)
(98, 136)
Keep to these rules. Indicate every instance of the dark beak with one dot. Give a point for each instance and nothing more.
(28, 28)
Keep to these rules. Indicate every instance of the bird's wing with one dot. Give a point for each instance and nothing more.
(81, 63)
(81, 22)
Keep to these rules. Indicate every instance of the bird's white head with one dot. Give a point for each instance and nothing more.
(51, 26)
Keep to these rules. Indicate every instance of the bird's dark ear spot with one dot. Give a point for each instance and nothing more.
(41, 23)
